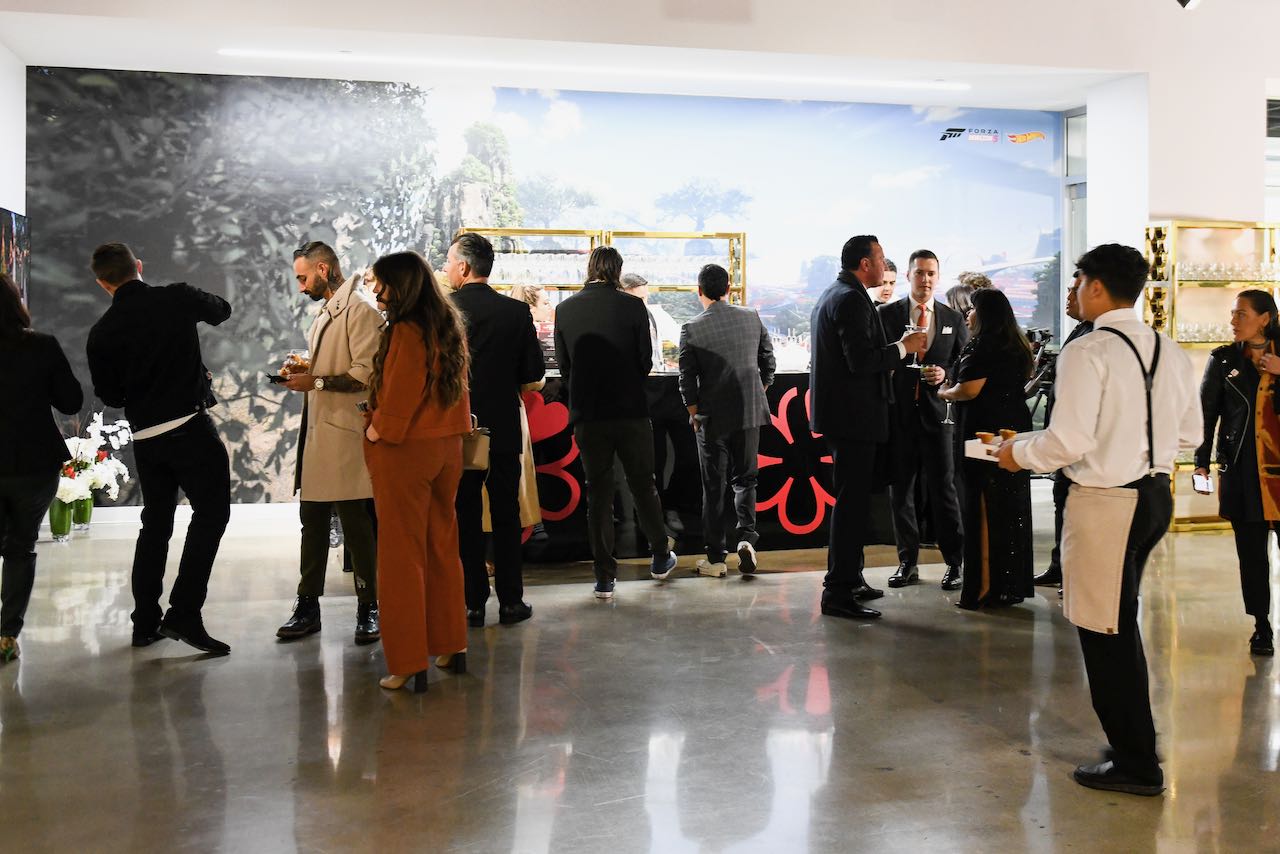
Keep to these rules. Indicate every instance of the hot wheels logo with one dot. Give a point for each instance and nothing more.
(1020, 138)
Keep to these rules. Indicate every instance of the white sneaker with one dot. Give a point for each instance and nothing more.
(712, 570)
(746, 558)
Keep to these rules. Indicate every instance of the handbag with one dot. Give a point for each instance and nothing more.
(475, 448)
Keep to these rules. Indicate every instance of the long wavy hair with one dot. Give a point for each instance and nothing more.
(409, 291)
(14, 318)
(998, 329)
(1263, 303)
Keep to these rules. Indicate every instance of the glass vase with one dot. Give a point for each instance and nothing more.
(60, 521)
(82, 513)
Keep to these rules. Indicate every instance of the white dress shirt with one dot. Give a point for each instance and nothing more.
(1098, 434)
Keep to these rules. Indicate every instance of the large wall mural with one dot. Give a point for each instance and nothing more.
(215, 180)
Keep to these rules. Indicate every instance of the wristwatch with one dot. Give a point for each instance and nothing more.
(319, 383)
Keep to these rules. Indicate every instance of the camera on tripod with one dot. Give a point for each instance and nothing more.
(1044, 369)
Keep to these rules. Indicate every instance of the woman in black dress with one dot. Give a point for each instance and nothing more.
(1239, 402)
(990, 387)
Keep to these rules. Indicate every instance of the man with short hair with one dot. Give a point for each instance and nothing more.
(889, 284)
(144, 357)
(1127, 404)
(505, 354)
(726, 363)
(604, 354)
(331, 473)
(921, 443)
(850, 391)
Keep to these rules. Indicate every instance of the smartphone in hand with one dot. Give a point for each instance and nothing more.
(1202, 483)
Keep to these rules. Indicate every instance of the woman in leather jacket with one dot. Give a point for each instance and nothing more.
(1238, 397)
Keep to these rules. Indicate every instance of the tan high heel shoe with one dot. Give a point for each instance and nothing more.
(395, 683)
(8, 649)
(455, 662)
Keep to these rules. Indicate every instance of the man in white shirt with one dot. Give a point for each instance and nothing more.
(1101, 436)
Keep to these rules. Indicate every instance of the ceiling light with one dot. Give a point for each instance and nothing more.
(593, 70)
(1189, 4)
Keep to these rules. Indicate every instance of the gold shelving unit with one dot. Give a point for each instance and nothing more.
(1195, 267)
(736, 254)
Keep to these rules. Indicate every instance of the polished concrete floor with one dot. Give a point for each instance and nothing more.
(695, 716)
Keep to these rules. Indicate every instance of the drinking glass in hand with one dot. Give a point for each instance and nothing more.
(915, 359)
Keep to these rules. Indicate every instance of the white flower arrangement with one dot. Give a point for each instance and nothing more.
(91, 467)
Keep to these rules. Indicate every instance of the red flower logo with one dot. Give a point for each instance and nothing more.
(792, 424)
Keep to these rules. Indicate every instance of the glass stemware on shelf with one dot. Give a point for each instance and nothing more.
(1204, 332)
(1230, 271)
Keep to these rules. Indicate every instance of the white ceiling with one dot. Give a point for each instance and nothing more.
(164, 44)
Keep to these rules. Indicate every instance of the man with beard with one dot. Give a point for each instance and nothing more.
(331, 472)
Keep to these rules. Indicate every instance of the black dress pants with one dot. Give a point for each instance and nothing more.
(731, 459)
(914, 451)
(1116, 664)
(23, 500)
(358, 537)
(502, 482)
(852, 475)
(631, 441)
(193, 459)
(1255, 565)
(1061, 486)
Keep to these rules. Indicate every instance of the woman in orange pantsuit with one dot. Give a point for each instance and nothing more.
(419, 411)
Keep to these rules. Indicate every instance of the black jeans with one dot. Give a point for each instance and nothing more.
(357, 535)
(914, 451)
(502, 482)
(1116, 664)
(1255, 565)
(23, 500)
(1061, 486)
(193, 459)
(733, 459)
(852, 472)
(631, 441)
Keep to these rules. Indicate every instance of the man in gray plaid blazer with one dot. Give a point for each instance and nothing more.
(726, 363)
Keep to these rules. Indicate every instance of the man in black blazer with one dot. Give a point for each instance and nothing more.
(921, 442)
(505, 355)
(604, 354)
(850, 367)
(144, 356)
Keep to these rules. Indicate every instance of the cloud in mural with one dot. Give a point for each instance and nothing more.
(908, 178)
(451, 110)
(563, 120)
(514, 125)
(935, 115)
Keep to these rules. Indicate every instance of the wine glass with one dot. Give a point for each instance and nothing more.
(915, 359)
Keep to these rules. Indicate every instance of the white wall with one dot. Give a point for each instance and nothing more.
(1119, 162)
(13, 132)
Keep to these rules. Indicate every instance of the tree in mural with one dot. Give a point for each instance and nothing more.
(214, 181)
(480, 192)
(1048, 281)
(700, 200)
(819, 273)
(544, 200)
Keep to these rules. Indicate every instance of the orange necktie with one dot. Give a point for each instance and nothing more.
(923, 323)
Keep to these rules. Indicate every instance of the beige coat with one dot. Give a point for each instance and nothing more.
(343, 340)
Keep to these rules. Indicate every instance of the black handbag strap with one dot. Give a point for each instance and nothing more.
(1148, 380)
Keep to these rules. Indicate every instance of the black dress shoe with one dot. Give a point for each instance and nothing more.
(305, 620)
(192, 633)
(475, 618)
(146, 637)
(906, 575)
(849, 609)
(865, 592)
(368, 628)
(1261, 644)
(511, 614)
(1048, 578)
(951, 579)
(1109, 778)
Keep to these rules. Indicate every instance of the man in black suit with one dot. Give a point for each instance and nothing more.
(921, 442)
(505, 355)
(604, 354)
(144, 356)
(850, 393)
(1061, 484)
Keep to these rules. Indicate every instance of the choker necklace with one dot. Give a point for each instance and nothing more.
(1253, 346)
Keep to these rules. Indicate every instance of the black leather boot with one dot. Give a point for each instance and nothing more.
(367, 629)
(305, 620)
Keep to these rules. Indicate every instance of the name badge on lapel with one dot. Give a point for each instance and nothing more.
(946, 330)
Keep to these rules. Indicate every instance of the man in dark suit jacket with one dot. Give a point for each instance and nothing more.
(604, 354)
(726, 363)
(144, 356)
(851, 363)
(921, 442)
(505, 355)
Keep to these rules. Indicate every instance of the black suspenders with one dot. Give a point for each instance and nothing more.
(1148, 379)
